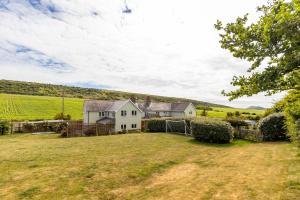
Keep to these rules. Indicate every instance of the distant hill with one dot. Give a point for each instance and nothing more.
(256, 107)
(41, 89)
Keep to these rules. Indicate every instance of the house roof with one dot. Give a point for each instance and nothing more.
(106, 120)
(102, 106)
(165, 107)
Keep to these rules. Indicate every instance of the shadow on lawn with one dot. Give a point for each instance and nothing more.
(234, 143)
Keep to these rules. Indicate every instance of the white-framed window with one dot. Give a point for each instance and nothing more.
(133, 112)
(133, 125)
(123, 113)
(123, 126)
(191, 112)
(101, 114)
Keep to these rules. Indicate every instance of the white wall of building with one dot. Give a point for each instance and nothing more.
(190, 111)
(129, 119)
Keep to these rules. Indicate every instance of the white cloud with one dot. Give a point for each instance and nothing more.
(165, 47)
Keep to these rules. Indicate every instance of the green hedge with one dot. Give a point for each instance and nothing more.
(4, 127)
(213, 131)
(273, 127)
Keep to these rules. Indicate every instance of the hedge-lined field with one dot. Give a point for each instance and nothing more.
(221, 112)
(25, 107)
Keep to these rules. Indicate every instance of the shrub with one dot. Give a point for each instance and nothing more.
(229, 114)
(28, 128)
(273, 128)
(212, 131)
(60, 127)
(4, 127)
(62, 116)
(237, 113)
(156, 125)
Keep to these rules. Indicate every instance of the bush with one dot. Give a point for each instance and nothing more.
(62, 116)
(273, 127)
(4, 127)
(156, 125)
(212, 131)
(28, 128)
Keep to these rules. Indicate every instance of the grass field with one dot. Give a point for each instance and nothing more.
(145, 166)
(23, 107)
(221, 112)
(26, 107)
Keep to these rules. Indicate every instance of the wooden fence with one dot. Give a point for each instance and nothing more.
(78, 128)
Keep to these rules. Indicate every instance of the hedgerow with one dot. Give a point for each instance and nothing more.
(214, 131)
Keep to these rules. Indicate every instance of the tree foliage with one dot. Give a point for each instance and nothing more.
(271, 45)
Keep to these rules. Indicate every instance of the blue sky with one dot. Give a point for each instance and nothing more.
(165, 47)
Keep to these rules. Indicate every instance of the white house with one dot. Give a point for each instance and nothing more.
(154, 109)
(123, 115)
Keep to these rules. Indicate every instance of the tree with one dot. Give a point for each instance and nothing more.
(271, 45)
(204, 113)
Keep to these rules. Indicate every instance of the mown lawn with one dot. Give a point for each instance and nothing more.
(145, 166)
(219, 112)
(26, 107)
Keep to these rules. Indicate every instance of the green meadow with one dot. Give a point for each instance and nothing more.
(28, 107)
(219, 112)
(25, 107)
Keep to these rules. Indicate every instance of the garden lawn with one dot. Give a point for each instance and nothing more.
(145, 166)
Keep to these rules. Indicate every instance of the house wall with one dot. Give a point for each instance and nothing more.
(177, 114)
(190, 111)
(129, 119)
(92, 117)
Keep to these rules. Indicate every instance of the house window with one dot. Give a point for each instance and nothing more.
(133, 112)
(101, 114)
(133, 125)
(123, 126)
(191, 112)
(123, 113)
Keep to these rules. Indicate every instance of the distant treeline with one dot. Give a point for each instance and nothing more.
(41, 89)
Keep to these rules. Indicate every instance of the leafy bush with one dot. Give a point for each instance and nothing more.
(28, 128)
(4, 127)
(229, 114)
(156, 125)
(212, 131)
(62, 116)
(273, 128)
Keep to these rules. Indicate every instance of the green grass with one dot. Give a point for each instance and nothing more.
(219, 112)
(25, 107)
(144, 166)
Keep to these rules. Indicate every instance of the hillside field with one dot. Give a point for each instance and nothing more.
(27, 107)
(145, 166)
(219, 112)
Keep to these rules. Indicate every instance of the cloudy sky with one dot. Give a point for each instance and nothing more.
(167, 47)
